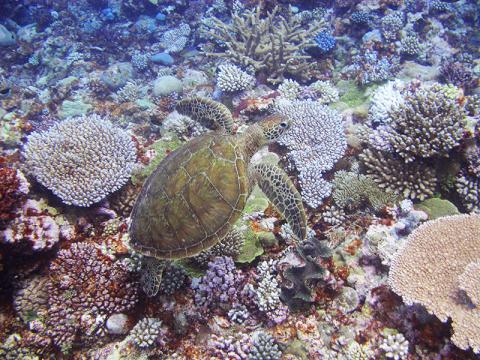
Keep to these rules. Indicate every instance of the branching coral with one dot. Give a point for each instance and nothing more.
(316, 140)
(220, 285)
(81, 160)
(231, 78)
(271, 45)
(429, 123)
(264, 347)
(230, 246)
(351, 189)
(426, 273)
(85, 287)
(415, 180)
(147, 332)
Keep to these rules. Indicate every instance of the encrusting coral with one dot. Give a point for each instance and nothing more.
(81, 160)
(425, 272)
(271, 45)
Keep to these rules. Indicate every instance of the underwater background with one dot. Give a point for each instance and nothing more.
(382, 101)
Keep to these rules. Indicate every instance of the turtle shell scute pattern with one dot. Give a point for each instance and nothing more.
(191, 200)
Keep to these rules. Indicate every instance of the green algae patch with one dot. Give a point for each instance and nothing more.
(252, 248)
(257, 202)
(351, 95)
(436, 208)
(161, 147)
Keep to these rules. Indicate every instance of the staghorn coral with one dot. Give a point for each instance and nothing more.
(271, 45)
(415, 180)
(428, 123)
(81, 160)
(315, 140)
(426, 273)
(147, 332)
(231, 78)
(85, 287)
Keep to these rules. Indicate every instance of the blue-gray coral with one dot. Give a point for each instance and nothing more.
(264, 347)
(81, 160)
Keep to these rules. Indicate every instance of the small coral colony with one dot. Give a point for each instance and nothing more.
(304, 178)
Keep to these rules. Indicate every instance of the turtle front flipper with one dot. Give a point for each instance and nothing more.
(211, 113)
(277, 186)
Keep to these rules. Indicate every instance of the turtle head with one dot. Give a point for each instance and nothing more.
(274, 126)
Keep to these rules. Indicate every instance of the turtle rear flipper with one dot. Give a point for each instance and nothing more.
(279, 189)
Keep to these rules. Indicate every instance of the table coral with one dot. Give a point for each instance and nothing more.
(426, 273)
(81, 160)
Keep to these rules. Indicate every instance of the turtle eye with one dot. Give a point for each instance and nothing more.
(283, 125)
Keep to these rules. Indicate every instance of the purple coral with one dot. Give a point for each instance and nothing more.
(85, 287)
(220, 284)
(229, 347)
(32, 229)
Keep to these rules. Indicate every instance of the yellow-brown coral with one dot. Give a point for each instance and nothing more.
(435, 266)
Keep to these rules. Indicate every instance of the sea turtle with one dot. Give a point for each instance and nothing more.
(192, 199)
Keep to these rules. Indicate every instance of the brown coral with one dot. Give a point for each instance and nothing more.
(271, 45)
(436, 264)
(9, 187)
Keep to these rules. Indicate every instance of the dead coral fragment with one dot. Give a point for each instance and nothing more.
(271, 45)
(436, 264)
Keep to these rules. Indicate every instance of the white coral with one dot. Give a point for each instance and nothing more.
(175, 40)
(289, 89)
(395, 347)
(385, 99)
(231, 78)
